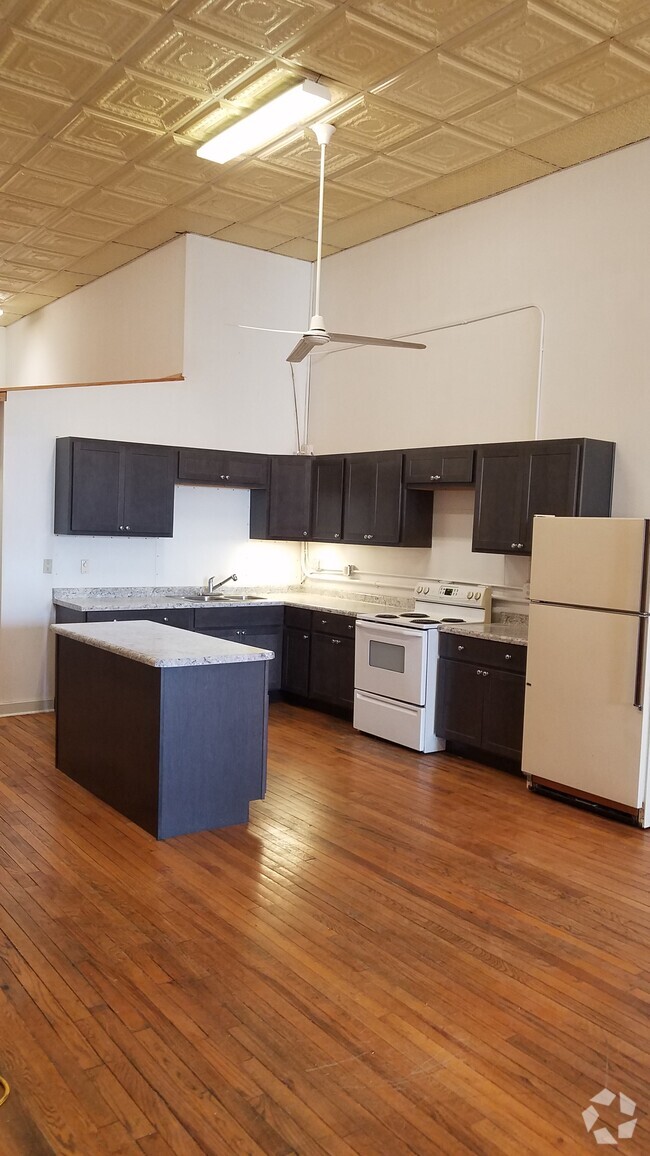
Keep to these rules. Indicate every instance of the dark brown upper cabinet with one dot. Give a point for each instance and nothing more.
(516, 480)
(377, 509)
(283, 511)
(114, 488)
(219, 468)
(327, 499)
(439, 466)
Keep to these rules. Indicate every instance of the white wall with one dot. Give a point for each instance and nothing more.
(237, 395)
(576, 245)
(113, 329)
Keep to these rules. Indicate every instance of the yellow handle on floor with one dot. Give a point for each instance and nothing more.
(4, 1090)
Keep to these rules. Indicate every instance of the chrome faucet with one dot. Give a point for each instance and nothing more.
(212, 585)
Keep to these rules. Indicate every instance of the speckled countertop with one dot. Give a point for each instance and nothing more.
(515, 632)
(158, 645)
(136, 599)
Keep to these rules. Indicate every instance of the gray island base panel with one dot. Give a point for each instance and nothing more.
(176, 748)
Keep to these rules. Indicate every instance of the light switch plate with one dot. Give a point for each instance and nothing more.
(47, 565)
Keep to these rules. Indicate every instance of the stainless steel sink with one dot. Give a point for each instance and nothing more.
(225, 597)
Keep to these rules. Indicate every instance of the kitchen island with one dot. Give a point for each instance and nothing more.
(167, 726)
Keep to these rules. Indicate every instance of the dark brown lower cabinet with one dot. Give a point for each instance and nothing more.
(480, 694)
(318, 658)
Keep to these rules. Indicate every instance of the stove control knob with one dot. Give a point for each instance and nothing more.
(418, 589)
(425, 589)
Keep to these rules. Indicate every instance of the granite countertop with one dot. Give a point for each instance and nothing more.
(157, 645)
(157, 600)
(515, 632)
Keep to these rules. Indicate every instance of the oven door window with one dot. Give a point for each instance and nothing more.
(387, 656)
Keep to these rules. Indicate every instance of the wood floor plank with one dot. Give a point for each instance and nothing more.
(399, 954)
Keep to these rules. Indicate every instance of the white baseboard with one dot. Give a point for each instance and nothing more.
(38, 707)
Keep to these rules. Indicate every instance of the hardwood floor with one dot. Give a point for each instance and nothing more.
(399, 954)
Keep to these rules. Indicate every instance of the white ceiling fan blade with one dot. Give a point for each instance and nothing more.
(263, 329)
(308, 342)
(357, 339)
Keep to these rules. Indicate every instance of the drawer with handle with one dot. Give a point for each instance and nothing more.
(483, 651)
(323, 622)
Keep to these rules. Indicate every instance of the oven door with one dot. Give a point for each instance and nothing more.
(391, 661)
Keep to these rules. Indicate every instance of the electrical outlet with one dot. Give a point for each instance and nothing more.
(84, 565)
(526, 590)
(47, 565)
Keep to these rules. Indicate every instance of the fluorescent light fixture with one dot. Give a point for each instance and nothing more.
(274, 118)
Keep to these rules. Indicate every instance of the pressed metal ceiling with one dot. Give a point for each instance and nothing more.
(437, 103)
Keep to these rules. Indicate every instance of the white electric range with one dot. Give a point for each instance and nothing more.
(396, 658)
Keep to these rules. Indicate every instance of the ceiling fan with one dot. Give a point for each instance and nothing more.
(317, 335)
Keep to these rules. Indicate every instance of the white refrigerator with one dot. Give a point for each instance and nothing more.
(587, 698)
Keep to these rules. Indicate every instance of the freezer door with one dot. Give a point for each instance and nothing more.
(588, 562)
(581, 728)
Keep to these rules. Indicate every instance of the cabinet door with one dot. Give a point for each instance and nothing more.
(290, 497)
(498, 504)
(373, 495)
(459, 701)
(97, 480)
(219, 468)
(503, 713)
(451, 466)
(149, 473)
(345, 692)
(327, 499)
(550, 484)
(325, 679)
(295, 661)
(266, 639)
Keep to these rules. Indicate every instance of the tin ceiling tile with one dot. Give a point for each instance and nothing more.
(524, 40)
(176, 156)
(14, 145)
(594, 135)
(245, 234)
(116, 207)
(105, 28)
(63, 282)
(148, 102)
(372, 125)
(440, 86)
(383, 218)
(107, 136)
(290, 222)
(266, 24)
(612, 16)
(103, 260)
(149, 185)
(219, 202)
(84, 227)
(25, 303)
(48, 190)
(338, 202)
(638, 38)
(445, 150)
(27, 112)
(432, 20)
(354, 50)
(303, 249)
(59, 160)
(302, 154)
(605, 77)
(11, 285)
(383, 176)
(43, 259)
(13, 230)
(170, 223)
(264, 181)
(46, 68)
(17, 271)
(518, 116)
(495, 175)
(62, 243)
(22, 212)
(195, 60)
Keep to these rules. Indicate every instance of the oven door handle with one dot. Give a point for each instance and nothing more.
(378, 631)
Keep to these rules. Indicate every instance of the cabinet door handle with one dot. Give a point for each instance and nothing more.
(371, 536)
(485, 673)
(222, 477)
(479, 672)
(243, 631)
(508, 657)
(337, 535)
(305, 636)
(127, 527)
(513, 545)
(336, 641)
(436, 477)
(165, 619)
(461, 647)
(520, 545)
(227, 477)
(121, 527)
(304, 533)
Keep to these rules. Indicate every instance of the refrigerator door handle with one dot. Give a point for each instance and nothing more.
(640, 663)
